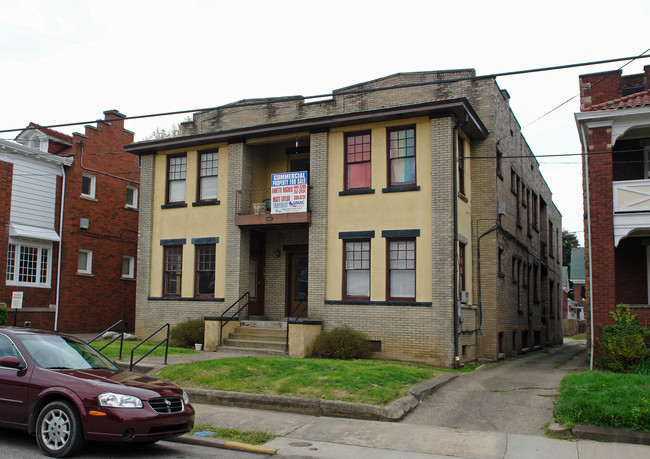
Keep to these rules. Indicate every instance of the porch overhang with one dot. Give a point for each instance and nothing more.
(273, 219)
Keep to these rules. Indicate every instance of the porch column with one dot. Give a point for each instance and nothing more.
(240, 166)
(318, 230)
(145, 313)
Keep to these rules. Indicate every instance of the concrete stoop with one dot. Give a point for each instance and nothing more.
(319, 407)
(267, 338)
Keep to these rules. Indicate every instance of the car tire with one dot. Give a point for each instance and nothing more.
(58, 429)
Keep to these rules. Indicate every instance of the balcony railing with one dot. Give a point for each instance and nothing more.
(256, 201)
(632, 196)
(253, 208)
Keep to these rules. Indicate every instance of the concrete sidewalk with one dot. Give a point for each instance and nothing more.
(325, 437)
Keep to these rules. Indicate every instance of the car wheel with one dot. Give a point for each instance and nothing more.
(58, 429)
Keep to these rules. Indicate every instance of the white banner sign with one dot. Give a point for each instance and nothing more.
(289, 192)
(17, 300)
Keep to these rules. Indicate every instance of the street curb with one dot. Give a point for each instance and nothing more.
(396, 411)
(614, 434)
(223, 444)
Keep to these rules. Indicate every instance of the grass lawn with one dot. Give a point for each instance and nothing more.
(603, 398)
(113, 351)
(361, 381)
(250, 438)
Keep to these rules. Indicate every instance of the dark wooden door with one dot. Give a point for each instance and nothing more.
(297, 275)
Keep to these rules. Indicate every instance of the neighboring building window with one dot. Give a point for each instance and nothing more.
(356, 282)
(131, 197)
(128, 267)
(461, 165)
(88, 185)
(401, 156)
(85, 263)
(551, 247)
(513, 272)
(357, 161)
(28, 264)
(173, 270)
(500, 260)
(499, 161)
(534, 209)
(176, 171)
(461, 266)
(401, 269)
(205, 268)
(208, 175)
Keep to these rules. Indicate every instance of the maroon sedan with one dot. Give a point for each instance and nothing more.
(65, 392)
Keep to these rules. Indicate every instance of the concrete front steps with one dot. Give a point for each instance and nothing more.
(259, 337)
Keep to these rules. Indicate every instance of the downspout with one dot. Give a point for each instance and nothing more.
(591, 285)
(58, 268)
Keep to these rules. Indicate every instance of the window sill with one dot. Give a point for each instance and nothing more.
(356, 192)
(379, 303)
(501, 275)
(462, 197)
(85, 274)
(211, 202)
(536, 228)
(398, 189)
(175, 205)
(132, 279)
(131, 208)
(88, 198)
(500, 176)
(180, 298)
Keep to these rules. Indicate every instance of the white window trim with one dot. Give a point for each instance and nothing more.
(131, 273)
(89, 262)
(93, 183)
(134, 204)
(41, 246)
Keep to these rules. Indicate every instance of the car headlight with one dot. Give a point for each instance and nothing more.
(112, 400)
(186, 399)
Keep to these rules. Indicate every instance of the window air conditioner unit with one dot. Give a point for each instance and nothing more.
(464, 297)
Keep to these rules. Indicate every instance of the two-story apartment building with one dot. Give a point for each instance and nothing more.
(409, 207)
(614, 129)
(87, 263)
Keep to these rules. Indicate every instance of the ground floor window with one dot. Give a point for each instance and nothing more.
(205, 268)
(357, 269)
(29, 264)
(173, 259)
(401, 269)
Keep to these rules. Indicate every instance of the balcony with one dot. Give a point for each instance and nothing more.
(631, 208)
(253, 208)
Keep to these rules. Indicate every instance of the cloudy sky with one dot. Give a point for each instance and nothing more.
(67, 61)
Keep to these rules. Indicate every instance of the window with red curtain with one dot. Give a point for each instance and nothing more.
(357, 161)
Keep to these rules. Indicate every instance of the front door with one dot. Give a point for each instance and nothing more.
(256, 275)
(297, 283)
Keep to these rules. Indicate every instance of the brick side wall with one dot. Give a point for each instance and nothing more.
(631, 278)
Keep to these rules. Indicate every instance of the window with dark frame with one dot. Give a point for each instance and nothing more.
(461, 165)
(176, 174)
(461, 266)
(205, 270)
(356, 272)
(173, 271)
(499, 156)
(357, 161)
(208, 175)
(534, 209)
(401, 269)
(401, 157)
(500, 260)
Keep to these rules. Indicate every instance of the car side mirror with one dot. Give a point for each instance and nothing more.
(11, 362)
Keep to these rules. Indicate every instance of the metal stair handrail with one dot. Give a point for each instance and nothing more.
(246, 295)
(166, 341)
(120, 336)
(300, 313)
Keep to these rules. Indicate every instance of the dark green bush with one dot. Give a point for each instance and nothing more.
(342, 343)
(187, 333)
(3, 314)
(623, 345)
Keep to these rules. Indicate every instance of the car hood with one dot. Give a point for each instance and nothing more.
(115, 380)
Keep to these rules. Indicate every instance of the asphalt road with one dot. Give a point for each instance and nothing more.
(19, 445)
(513, 396)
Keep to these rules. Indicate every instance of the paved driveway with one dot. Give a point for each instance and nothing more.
(512, 396)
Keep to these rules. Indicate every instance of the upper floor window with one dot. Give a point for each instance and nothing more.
(461, 165)
(128, 267)
(176, 172)
(499, 158)
(131, 197)
(401, 157)
(29, 264)
(208, 175)
(88, 185)
(357, 161)
(461, 266)
(357, 269)
(85, 262)
(401, 269)
(205, 269)
(173, 270)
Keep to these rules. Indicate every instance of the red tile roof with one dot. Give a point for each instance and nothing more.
(638, 99)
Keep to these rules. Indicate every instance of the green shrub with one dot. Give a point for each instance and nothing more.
(623, 345)
(342, 343)
(187, 333)
(3, 314)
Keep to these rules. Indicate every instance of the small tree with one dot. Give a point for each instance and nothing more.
(624, 344)
(567, 245)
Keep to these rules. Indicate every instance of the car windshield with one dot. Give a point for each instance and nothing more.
(62, 352)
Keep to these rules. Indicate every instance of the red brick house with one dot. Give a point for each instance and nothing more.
(90, 269)
(614, 129)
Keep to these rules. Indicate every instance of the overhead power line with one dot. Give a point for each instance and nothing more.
(343, 93)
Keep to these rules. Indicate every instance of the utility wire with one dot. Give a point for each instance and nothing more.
(342, 93)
